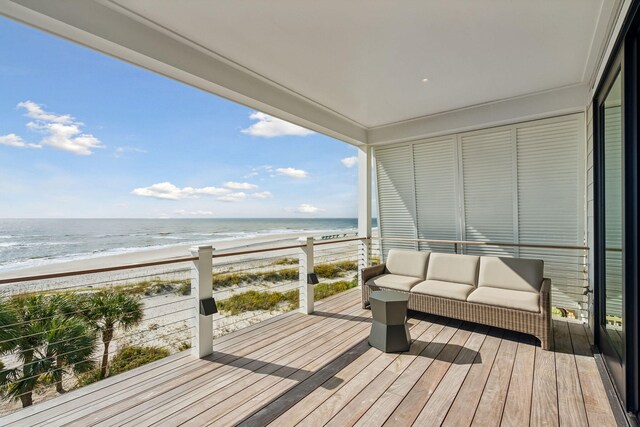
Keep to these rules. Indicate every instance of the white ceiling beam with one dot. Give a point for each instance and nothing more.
(92, 24)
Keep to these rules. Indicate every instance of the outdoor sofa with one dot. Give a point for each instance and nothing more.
(508, 293)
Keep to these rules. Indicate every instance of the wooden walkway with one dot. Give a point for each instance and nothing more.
(319, 370)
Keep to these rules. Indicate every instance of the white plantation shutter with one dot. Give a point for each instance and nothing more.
(551, 202)
(396, 196)
(488, 170)
(435, 181)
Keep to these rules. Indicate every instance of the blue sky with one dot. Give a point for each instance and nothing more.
(83, 135)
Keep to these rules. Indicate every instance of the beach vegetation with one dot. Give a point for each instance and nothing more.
(184, 288)
(285, 261)
(334, 270)
(331, 270)
(135, 356)
(285, 301)
(109, 310)
(259, 300)
(325, 290)
(48, 343)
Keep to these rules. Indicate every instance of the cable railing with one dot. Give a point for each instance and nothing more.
(69, 329)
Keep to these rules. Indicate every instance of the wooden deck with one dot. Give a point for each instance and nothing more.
(319, 370)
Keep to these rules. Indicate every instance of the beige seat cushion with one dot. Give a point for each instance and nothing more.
(453, 268)
(516, 274)
(394, 281)
(438, 288)
(407, 263)
(518, 300)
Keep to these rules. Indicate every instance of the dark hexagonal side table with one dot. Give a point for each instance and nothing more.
(389, 330)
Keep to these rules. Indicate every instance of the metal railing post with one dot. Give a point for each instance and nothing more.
(364, 257)
(306, 268)
(202, 289)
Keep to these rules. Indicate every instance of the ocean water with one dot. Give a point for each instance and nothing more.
(30, 242)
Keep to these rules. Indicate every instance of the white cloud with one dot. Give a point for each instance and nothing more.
(168, 191)
(233, 197)
(305, 209)
(120, 151)
(292, 173)
(268, 127)
(239, 185)
(262, 195)
(350, 161)
(60, 131)
(14, 140)
(193, 213)
(35, 111)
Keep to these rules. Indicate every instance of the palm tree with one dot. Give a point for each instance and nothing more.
(71, 342)
(48, 344)
(8, 333)
(9, 328)
(108, 310)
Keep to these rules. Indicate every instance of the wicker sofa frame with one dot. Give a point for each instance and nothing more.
(536, 324)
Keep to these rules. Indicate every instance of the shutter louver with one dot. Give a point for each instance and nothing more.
(435, 178)
(396, 198)
(487, 168)
(550, 204)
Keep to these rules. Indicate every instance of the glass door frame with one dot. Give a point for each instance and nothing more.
(615, 365)
(626, 60)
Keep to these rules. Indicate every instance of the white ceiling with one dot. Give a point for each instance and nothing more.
(366, 59)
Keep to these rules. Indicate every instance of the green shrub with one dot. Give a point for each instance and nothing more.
(259, 300)
(226, 280)
(285, 261)
(268, 301)
(184, 288)
(184, 345)
(335, 269)
(324, 290)
(88, 378)
(134, 356)
(331, 270)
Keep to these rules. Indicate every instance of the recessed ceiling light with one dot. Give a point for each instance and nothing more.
(425, 80)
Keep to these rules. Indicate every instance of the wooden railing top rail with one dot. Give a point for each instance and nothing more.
(472, 242)
(19, 279)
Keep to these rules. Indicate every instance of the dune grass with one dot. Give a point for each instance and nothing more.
(287, 301)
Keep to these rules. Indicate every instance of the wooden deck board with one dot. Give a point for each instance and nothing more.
(517, 410)
(571, 408)
(312, 370)
(595, 397)
(491, 405)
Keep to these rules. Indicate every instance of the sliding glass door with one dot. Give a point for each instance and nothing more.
(616, 182)
(610, 150)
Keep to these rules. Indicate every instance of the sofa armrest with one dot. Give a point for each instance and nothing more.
(371, 272)
(545, 296)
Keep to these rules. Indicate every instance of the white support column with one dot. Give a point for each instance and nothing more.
(306, 268)
(202, 288)
(364, 208)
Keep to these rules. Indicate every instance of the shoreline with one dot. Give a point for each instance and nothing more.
(158, 254)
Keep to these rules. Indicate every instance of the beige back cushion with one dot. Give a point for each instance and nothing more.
(511, 273)
(453, 268)
(407, 263)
